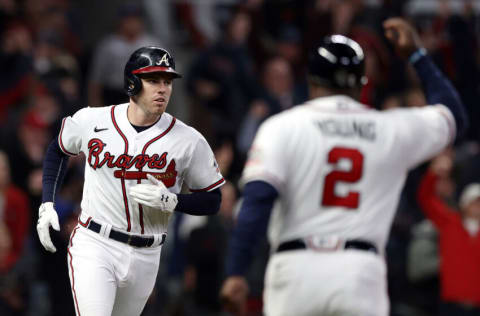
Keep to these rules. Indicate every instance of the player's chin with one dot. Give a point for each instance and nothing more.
(159, 107)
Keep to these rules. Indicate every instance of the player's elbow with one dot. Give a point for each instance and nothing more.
(216, 202)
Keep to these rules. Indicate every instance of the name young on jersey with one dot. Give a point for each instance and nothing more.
(348, 129)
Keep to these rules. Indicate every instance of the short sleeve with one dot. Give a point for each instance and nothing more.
(267, 157)
(203, 174)
(421, 133)
(71, 132)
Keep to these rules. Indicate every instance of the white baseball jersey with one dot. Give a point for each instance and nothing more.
(118, 157)
(339, 166)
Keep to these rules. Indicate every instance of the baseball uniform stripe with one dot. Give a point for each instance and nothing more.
(73, 273)
(140, 207)
(165, 132)
(124, 191)
(86, 223)
(210, 187)
(140, 213)
(60, 140)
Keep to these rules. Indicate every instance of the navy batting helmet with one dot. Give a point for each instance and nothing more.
(146, 60)
(338, 62)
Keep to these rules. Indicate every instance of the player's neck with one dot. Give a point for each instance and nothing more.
(317, 91)
(138, 117)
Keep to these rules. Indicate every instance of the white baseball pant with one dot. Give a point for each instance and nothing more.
(330, 283)
(109, 277)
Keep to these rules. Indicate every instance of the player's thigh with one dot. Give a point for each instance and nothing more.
(132, 295)
(91, 275)
(304, 283)
(365, 286)
(283, 279)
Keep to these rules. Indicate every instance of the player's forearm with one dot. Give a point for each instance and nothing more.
(438, 89)
(251, 225)
(199, 203)
(54, 169)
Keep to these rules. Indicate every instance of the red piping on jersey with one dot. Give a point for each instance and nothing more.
(140, 213)
(159, 136)
(71, 267)
(124, 191)
(60, 140)
(165, 132)
(86, 223)
(222, 180)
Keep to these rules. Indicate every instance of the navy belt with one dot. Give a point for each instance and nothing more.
(297, 244)
(132, 240)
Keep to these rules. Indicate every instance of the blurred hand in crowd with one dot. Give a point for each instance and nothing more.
(403, 36)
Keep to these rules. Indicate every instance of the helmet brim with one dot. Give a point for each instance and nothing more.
(151, 69)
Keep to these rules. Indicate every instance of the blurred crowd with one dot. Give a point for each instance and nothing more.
(242, 61)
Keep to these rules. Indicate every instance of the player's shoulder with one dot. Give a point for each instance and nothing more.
(187, 131)
(438, 111)
(92, 111)
(284, 117)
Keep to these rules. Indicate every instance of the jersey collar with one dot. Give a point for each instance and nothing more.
(337, 103)
(121, 116)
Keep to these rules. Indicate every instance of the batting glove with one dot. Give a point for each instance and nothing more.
(47, 216)
(155, 195)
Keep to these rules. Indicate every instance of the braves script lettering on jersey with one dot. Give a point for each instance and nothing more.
(344, 185)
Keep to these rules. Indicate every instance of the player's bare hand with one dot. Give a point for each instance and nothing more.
(233, 295)
(47, 216)
(155, 195)
(403, 36)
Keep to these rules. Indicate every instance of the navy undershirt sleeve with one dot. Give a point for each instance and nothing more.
(54, 169)
(438, 89)
(252, 223)
(199, 203)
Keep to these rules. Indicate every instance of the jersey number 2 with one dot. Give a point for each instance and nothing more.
(350, 200)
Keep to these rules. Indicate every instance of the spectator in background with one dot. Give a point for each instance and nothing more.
(105, 84)
(277, 94)
(26, 150)
(423, 256)
(423, 262)
(14, 226)
(14, 213)
(58, 71)
(16, 63)
(206, 250)
(459, 242)
(288, 44)
(222, 81)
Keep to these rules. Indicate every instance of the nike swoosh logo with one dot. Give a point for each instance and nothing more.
(96, 130)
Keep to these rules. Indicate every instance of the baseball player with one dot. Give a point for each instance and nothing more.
(336, 168)
(137, 159)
